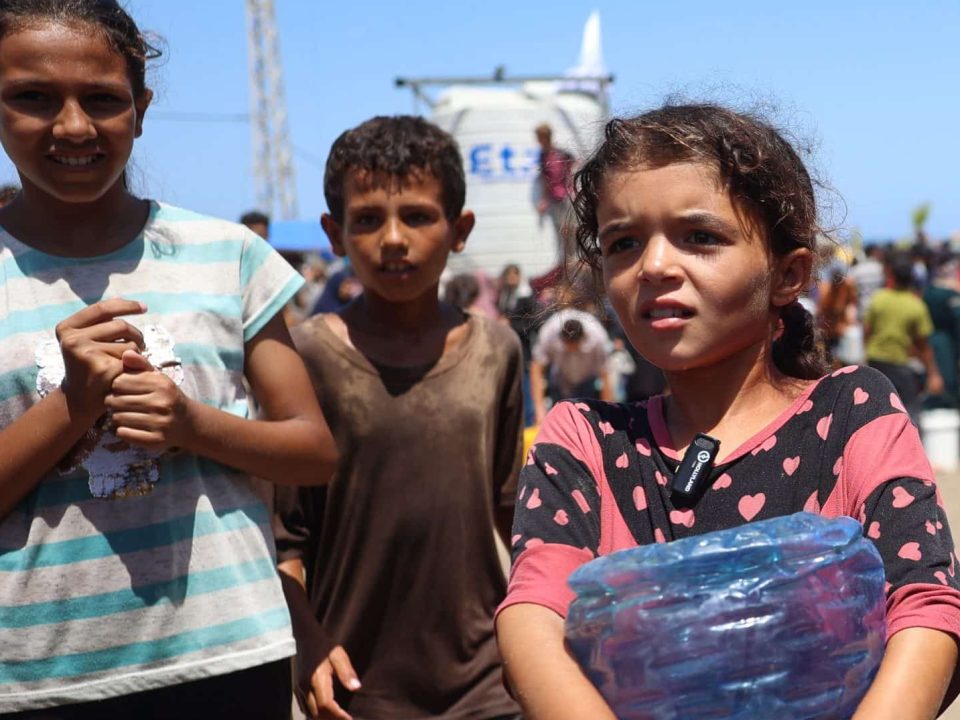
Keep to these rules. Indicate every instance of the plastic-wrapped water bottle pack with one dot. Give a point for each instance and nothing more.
(781, 619)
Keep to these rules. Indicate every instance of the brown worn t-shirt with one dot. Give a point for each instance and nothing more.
(402, 567)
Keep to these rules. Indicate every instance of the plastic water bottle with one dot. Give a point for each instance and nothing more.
(783, 618)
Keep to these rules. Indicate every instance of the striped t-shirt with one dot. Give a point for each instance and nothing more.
(105, 597)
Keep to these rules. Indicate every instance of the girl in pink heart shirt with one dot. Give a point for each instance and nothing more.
(702, 223)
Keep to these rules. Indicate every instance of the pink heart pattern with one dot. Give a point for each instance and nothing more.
(643, 447)
(790, 465)
(549, 469)
(766, 446)
(661, 479)
(724, 481)
(812, 504)
(534, 501)
(896, 403)
(846, 370)
(658, 535)
(683, 517)
(860, 396)
(806, 407)
(639, 498)
(939, 575)
(902, 498)
(750, 505)
(910, 551)
(823, 426)
(874, 530)
(606, 428)
(560, 517)
(581, 501)
(623, 461)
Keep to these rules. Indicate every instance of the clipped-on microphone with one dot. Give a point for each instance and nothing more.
(696, 465)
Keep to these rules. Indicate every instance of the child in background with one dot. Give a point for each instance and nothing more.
(137, 559)
(703, 223)
(424, 403)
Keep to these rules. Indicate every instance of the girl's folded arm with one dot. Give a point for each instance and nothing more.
(547, 681)
(913, 679)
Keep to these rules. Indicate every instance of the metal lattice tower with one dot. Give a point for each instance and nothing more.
(273, 159)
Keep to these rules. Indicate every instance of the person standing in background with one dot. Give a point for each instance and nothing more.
(897, 326)
(943, 302)
(868, 276)
(556, 185)
(520, 309)
(836, 310)
(258, 222)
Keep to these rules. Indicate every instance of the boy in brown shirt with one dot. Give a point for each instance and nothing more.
(425, 405)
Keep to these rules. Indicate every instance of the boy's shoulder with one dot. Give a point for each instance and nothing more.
(322, 341)
(314, 334)
(499, 336)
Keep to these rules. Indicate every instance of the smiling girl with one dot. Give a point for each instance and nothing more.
(136, 555)
(703, 222)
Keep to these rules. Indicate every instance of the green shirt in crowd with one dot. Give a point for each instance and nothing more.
(897, 318)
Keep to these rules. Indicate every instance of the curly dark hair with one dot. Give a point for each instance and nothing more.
(759, 168)
(119, 29)
(392, 148)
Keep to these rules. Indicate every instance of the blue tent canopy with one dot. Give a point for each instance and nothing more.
(299, 236)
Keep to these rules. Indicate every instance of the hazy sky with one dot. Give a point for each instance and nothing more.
(873, 84)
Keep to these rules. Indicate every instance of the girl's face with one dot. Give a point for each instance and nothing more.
(68, 115)
(688, 273)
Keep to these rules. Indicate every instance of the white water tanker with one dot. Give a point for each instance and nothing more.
(493, 120)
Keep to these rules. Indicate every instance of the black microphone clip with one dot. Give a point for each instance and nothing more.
(696, 465)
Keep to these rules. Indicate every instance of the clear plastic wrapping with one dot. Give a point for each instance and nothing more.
(782, 619)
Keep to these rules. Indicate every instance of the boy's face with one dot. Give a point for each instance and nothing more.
(396, 234)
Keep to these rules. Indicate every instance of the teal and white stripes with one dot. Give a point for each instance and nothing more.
(105, 597)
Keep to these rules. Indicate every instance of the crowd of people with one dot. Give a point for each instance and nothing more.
(158, 365)
(896, 309)
(910, 331)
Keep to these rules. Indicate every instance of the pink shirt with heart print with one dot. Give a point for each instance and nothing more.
(598, 476)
